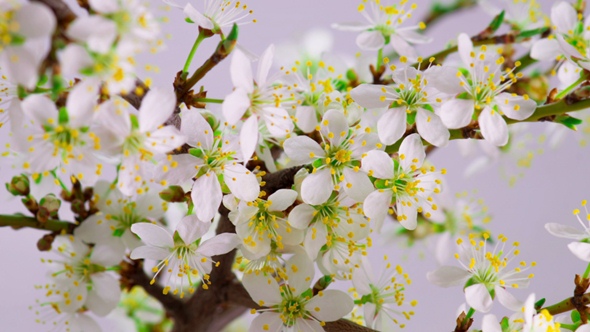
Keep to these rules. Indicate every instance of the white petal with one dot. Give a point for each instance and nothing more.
(369, 96)
(446, 276)
(35, 20)
(302, 149)
(39, 108)
(147, 252)
(411, 152)
(351, 26)
(564, 17)
(545, 49)
(566, 232)
(402, 47)
(164, 140)
(414, 37)
(108, 254)
(264, 65)
(306, 118)
(197, 17)
(493, 127)
(465, 46)
(219, 244)
(270, 321)
(241, 71)
(153, 235)
(334, 122)
(444, 79)
(81, 102)
(508, 300)
(282, 199)
(249, 137)
(206, 196)
(191, 228)
(581, 250)
(490, 324)
(96, 31)
(105, 294)
(515, 107)
(330, 305)
(19, 66)
(376, 206)
(301, 216)
(278, 121)
(370, 40)
(73, 59)
(457, 113)
(357, 184)
(156, 107)
(478, 297)
(431, 128)
(407, 214)
(378, 163)
(235, 105)
(262, 288)
(315, 239)
(196, 129)
(317, 187)
(392, 125)
(300, 271)
(241, 182)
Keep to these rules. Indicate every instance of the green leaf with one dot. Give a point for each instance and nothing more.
(575, 315)
(568, 121)
(497, 21)
(539, 304)
(533, 32)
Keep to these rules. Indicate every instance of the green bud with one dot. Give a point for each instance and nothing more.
(51, 204)
(211, 119)
(173, 194)
(19, 185)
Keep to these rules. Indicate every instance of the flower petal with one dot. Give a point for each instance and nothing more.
(457, 113)
(147, 252)
(478, 297)
(153, 235)
(191, 228)
(369, 96)
(35, 20)
(378, 164)
(300, 271)
(334, 123)
(302, 149)
(206, 195)
(317, 187)
(465, 46)
(196, 129)
(235, 105)
(282, 199)
(105, 294)
(330, 305)
(197, 17)
(370, 40)
(301, 216)
(392, 125)
(508, 300)
(431, 128)
(241, 182)
(545, 49)
(564, 17)
(241, 71)
(264, 64)
(581, 250)
(357, 184)
(249, 137)
(446, 276)
(411, 152)
(515, 107)
(376, 206)
(219, 244)
(263, 289)
(493, 127)
(267, 321)
(156, 107)
(566, 232)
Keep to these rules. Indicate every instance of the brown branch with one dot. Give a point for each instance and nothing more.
(132, 274)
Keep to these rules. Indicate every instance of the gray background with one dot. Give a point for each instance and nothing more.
(550, 190)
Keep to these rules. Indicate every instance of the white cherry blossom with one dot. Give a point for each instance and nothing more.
(217, 14)
(384, 27)
(291, 304)
(182, 255)
(410, 100)
(580, 247)
(335, 161)
(485, 274)
(404, 186)
(481, 96)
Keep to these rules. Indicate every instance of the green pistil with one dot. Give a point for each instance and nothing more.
(292, 308)
(133, 143)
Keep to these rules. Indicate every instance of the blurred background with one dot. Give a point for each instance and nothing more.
(556, 182)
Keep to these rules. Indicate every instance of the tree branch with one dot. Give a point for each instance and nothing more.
(19, 221)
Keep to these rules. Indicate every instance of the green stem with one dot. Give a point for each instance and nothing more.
(198, 41)
(439, 10)
(30, 222)
(379, 58)
(587, 272)
(567, 90)
(209, 100)
(565, 305)
(61, 184)
(469, 315)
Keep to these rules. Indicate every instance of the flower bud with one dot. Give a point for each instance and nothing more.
(173, 194)
(211, 119)
(48, 207)
(19, 185)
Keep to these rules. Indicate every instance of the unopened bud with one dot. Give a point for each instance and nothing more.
(211, 119)
(19, 185)
(31, 204)
(173, 194)
(44, 243)
(48, 207)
